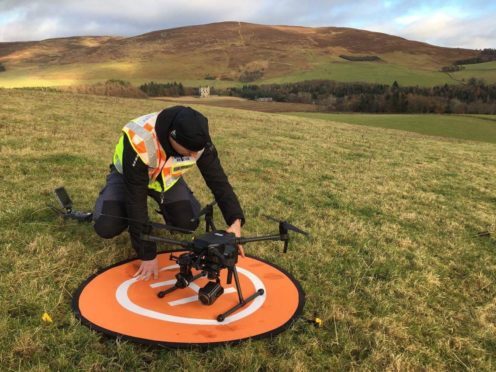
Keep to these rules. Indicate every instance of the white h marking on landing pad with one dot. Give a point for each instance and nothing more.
(193, 286)
(123, 299)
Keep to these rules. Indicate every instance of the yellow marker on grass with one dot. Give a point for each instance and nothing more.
(46, 318)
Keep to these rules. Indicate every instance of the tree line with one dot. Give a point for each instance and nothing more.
(485, 55)
(174, 89)
(472, 97)
(475, 97)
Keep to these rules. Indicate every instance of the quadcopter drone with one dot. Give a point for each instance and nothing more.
(208, 253)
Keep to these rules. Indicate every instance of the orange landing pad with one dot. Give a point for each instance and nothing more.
(113, 302)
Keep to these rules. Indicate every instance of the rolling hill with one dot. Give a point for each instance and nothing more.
(227, 53)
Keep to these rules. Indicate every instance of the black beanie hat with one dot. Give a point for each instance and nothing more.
(189, 128)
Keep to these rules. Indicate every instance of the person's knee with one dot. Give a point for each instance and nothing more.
(194, 224)
(184, 222)
(180, 214)
(107, 230)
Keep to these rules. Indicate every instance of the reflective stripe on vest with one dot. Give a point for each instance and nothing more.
(141, 135)
(142, 141)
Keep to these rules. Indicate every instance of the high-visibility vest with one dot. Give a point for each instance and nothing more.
(142, 136)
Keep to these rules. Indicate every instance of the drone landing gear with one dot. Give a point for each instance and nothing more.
(213, 290)
(221, 317)
(242, 301)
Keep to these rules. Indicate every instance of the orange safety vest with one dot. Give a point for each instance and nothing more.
(142, 136)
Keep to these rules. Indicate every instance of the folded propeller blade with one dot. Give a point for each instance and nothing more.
(287, 225)
(204, 211)
(207, 208)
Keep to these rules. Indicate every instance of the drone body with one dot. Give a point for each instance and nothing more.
(208, 253)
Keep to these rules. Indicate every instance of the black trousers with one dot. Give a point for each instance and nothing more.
(178, 207)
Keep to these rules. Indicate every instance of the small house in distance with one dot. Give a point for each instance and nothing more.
(264, 99)
(204, 92)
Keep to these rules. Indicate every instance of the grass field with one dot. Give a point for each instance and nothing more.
(89, 73)
(368, 72)
(142, 72)
(386, 73)
(394, 267)
(465, 127)
(486, 71)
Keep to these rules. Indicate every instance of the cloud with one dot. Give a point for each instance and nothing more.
(29, 20)
(446, 27)
(455, 32)
(447, 23)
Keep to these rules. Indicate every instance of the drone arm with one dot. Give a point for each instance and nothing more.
(164, 240)
(155, 225)
(259, 238)
(169, 227)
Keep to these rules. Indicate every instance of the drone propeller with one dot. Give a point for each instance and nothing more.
(284, 226)
(287, 226)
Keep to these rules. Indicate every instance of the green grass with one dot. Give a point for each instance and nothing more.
(393, 267)
(466, 127)
(486, 71)
(90, 73)
(369, 72)
(191, 75)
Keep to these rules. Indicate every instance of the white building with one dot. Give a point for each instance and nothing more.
(204, 92)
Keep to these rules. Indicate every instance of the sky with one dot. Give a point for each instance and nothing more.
(464, 24)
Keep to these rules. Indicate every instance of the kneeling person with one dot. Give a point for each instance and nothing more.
(152, 154)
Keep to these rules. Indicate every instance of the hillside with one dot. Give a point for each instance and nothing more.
(394, 266)
(228, 52)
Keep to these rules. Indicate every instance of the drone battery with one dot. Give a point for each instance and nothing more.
(211, 292)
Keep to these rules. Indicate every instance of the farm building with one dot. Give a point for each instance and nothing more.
(204, 92)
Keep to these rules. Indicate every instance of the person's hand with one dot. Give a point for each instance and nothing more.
(236, 229)
(146, 269)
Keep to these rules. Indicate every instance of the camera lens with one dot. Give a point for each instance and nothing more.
(211, 292)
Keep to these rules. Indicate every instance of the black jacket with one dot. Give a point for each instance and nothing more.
(136, 181)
